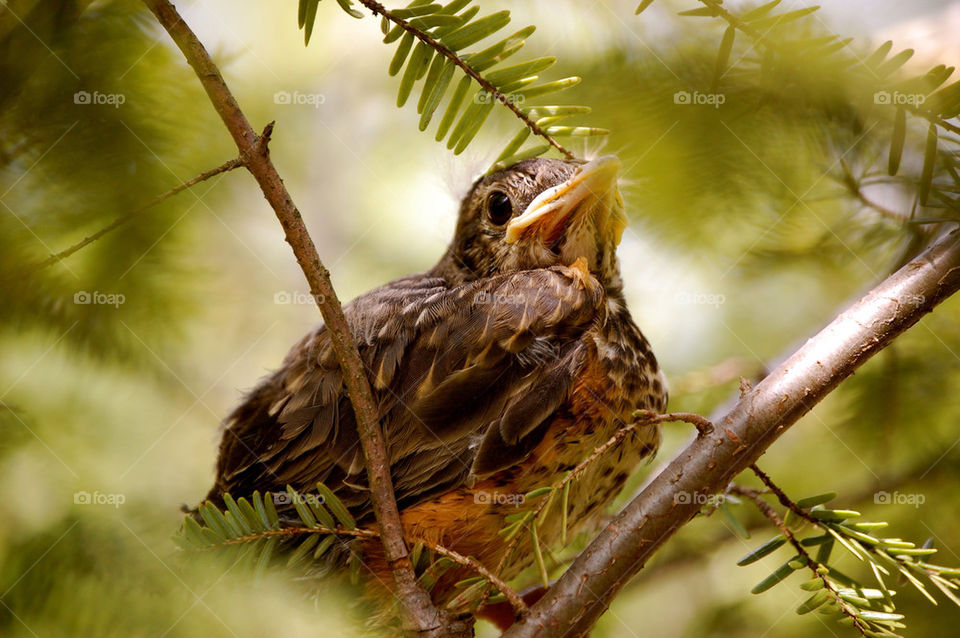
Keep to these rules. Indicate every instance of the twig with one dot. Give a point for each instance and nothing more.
(756, 497)
(123, 219)
(419, 612)
(767, 410)
(642, 417)
(379, 9)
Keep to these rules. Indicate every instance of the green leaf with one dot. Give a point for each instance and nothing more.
(194, 533)
(879, 55)
(896, 141)
(214, 519)
(538, 554)
(723, 56)
(266, 553)
(894, 63)
(436, 93)
(415, 10)
(703, 12)
(549, 87)
(512, 148)
(929, 160)
(453, 107)
(302, 510)
(320, 512)
(781, 19)
(271, 510)
(537, 493)
(824, 551)
(238, 517)
(812, 585)
(738, 528)
(308, 12)
(564, 506)
(473, 127)
(400, 55)
(777, 576)
(251, 517)
(533, 151)
(575, 131)
(347, 6)
(499, 51)
(303, 549)
(324, 545)
(337, 507)
(819, 499)
(475, 31)
(504, 76)
(813, 602)
(417, 66)
(833, 516)
(767, 548)
(759, 12)
(642, 6)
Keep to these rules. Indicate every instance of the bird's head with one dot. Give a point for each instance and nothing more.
(540, 213)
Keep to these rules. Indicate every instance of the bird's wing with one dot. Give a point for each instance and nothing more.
(463, 378)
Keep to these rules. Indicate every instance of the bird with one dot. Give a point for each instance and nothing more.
(495, 372)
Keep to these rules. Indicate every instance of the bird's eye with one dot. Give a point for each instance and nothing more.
(499, 208)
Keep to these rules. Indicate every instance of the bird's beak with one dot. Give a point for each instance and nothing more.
(591, 194)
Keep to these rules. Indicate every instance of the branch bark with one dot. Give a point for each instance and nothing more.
(419, 613)
(575, 602)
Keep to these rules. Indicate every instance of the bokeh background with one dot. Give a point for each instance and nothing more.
(742, 244)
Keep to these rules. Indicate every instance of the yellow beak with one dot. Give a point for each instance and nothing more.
(592, 191)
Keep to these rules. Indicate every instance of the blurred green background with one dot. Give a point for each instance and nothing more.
(742, 244)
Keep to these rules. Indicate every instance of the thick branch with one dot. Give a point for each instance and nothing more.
(419, 611)
(709, 463)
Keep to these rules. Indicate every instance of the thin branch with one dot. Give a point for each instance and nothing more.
(379, 9)
(764, 412)
(420, 614)
(642, 417)
(756, 496)
(123, 219)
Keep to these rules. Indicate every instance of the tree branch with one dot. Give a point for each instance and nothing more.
(764, 412)
(120, 221)
(419, 613)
